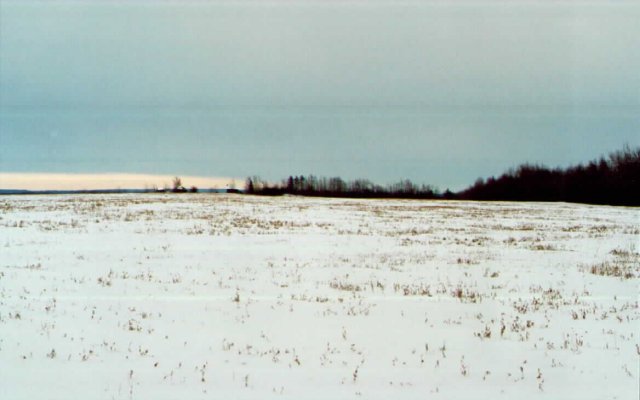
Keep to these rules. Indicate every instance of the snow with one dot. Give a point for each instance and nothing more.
(193, 296)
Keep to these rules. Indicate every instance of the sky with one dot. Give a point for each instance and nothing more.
(434, 91)
(98, 181)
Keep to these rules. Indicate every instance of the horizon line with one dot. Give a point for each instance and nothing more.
(107, 181)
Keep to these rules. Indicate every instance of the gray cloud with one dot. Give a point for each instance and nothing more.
(435, 91)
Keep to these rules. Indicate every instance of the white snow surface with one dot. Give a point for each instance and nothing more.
(204, 296)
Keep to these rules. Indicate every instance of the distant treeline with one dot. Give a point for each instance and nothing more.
(613, 180)
(337, 187)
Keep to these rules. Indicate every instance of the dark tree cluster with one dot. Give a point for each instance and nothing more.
(614, 180)
(337, 187)
(176, 187)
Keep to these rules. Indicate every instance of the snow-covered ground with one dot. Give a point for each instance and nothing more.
(228, 296)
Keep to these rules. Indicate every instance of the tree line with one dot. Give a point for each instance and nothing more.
(337, 187)
(613, 180)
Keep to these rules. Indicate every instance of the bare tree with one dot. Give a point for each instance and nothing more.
(248, 186)
(177, 182)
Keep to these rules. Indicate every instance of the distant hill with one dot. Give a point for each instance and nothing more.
(13, 191)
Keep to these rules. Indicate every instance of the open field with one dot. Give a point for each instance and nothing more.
(225, 296)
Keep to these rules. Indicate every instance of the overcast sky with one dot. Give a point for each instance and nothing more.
(438, 92)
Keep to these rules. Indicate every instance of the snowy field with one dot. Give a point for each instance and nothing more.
(201, 296)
